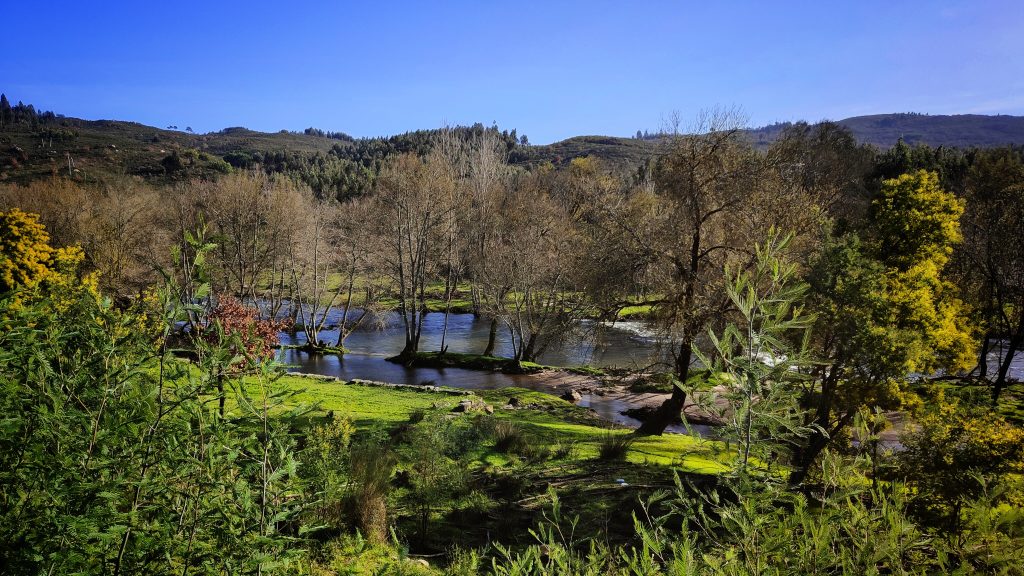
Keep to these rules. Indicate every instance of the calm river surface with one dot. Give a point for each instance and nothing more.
(627, 345)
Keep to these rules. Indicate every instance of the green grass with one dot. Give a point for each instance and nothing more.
(489, 363)
(559, 446)
(635, 312)
(552, 419)
(367, 406)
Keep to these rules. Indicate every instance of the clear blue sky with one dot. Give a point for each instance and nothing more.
(550, 69)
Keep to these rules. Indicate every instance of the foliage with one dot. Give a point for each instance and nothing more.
(114, 461)
(954, 455)
(763, 353)
(28, 261)
(884, 310)
(238, 328)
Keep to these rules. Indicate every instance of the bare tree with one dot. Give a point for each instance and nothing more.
(254, 221)
(412, 209)
(673, 239)
(534, 254)
(486, 184)
(353, 241)
(312, 259)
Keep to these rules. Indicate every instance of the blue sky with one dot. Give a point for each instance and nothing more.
(550, 69)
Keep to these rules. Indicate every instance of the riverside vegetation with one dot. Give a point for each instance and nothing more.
(147, 430)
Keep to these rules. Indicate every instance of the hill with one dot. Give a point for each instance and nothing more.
(97, 149)
(959, 131)
(37, 145)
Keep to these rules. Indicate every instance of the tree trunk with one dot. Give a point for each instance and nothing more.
(806, 457)
(1004, 367)
(529, 352)
(492, 336)
(670, 409)
(982, 367)
(220, 392)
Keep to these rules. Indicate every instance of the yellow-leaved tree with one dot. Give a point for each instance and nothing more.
(29, 264)
(884, 310)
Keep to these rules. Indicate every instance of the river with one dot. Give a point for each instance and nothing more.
(622, 345)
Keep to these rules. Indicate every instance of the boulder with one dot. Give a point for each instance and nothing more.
(571, 396)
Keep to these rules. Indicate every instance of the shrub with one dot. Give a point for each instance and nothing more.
(614, 446)
(563, 451)
(417, 416)
(509, 438)
(371, 469)
(954, 455)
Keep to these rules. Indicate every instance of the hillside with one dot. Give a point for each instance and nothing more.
(884, 130)
(880, 130)
(101, 149)
(97, 149)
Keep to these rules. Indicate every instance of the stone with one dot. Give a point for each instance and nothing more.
(572, 396)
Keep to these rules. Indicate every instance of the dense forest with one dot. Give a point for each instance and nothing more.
(810, 292)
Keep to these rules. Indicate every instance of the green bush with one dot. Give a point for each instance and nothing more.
(614, 446)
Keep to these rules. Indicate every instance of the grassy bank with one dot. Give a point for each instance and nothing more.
(482, 362)
(372, 407)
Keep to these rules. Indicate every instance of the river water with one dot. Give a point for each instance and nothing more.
(622, 345)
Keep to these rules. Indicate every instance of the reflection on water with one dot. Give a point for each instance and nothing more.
(625, 345)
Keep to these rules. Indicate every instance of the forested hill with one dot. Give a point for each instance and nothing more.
(36, 144)
(884, 130)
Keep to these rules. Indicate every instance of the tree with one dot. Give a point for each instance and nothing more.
(954, 455)
(667, 242)
(534, 290)
(762, 351)
(487, 183)
(990, 264)
(312, 258)
(254, 225)
(825, 161)
(119, 228)
(884, 310)
(25, 252)
(411, 212)
(5, 111)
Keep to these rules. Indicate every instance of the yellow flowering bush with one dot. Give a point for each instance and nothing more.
(954, 455)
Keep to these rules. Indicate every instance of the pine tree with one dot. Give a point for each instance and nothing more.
(5, 111)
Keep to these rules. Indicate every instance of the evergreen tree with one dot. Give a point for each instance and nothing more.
(5, 111)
